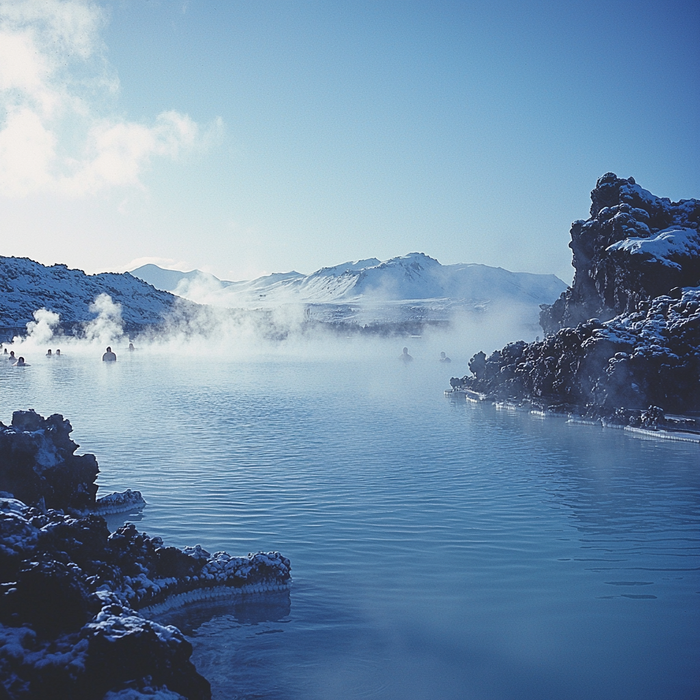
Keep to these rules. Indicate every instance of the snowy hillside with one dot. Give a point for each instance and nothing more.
(26, 286)
(413, 277)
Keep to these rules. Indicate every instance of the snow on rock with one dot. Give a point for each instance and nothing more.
(667, 247)
(38, 464)
(120, 502)
(69, 596)
(70, 590)
(641, 347)
(634, 246)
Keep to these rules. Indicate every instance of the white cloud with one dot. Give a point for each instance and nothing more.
(52, 75)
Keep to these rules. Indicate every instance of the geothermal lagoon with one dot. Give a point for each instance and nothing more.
(439, 548)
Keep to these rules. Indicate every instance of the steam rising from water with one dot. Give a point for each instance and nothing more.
(108, 325)
(279, 330)
(42, 328)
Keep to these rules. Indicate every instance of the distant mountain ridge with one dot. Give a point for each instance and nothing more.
(400, 295)
(411, 277)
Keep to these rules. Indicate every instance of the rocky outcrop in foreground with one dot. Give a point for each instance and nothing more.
(70, 592)
(626, 334)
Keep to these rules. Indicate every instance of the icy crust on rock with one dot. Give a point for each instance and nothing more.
(70, 595)
(178, 600)
(119, 502)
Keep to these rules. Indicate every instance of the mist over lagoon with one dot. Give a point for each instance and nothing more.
(439, 548)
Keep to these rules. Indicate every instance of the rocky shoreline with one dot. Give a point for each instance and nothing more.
(71, 591)
(622, 344)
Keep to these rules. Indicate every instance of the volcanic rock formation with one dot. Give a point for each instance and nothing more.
(626, 334)
(635, 246)
(38, 464)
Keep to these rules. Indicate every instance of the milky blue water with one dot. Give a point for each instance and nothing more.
(439, 549)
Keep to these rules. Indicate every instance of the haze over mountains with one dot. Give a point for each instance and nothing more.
(412, 277)
(400, 295)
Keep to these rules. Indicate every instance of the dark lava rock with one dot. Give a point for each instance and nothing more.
(615, 270)
(626, 334)
(38, 464)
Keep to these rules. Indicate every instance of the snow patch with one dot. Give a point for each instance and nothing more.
(665, 247)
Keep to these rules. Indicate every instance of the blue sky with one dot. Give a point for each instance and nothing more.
(244, 138)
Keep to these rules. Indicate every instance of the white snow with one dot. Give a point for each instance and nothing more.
(674, 242)
(414, 279)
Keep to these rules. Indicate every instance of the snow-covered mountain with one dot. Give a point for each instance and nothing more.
(413, 277)
(26, 286)
(400, 295)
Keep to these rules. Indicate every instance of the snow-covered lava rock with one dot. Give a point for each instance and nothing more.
(634, 247)
(38, 464)
(70, 590)
(626, 334)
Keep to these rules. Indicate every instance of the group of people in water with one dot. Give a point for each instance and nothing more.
(109, 356)
(14, 361)
(405, 357)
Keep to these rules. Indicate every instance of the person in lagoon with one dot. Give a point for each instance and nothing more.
(12, 357)
(444, 358)
(109, 356)
(20, 363)
(48, 353)
(405, 357)
(131, 347)
(58, 352)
